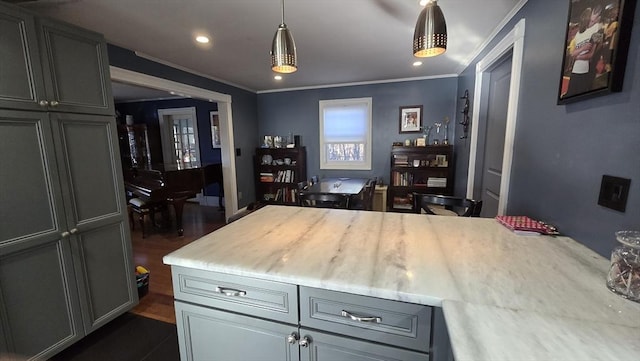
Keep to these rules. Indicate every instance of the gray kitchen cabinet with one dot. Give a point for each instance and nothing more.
(322, 346)
(65, 252)
(210, 334)
(218, 314)
(66, 264)
(52, 66)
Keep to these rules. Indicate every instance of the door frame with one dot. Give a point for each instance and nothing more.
(168, 151)
(512, 42)
(230, 184)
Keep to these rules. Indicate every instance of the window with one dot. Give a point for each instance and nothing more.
(184, 141)
(345, 134)
(179, 136)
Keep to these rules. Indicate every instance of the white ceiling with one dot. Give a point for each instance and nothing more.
(338, 41)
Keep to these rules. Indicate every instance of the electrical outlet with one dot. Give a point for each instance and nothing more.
(614, 192)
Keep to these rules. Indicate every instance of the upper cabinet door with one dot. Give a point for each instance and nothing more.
(50, 66)
(21, 83)
(76, 68)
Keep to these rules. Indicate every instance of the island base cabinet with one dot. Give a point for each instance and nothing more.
(209, 335)
(327, 347)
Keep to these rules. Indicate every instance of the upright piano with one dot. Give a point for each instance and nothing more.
(172, 184)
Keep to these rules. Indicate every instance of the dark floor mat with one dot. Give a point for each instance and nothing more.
(127, 338)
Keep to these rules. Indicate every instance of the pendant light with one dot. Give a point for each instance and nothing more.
(283, 49)
(430, 35)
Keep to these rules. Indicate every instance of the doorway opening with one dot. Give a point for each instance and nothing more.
(225, 123)
(512, 43)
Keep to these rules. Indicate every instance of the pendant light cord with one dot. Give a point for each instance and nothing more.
(282, 11)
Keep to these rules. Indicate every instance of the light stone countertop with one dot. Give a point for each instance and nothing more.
(505, 296)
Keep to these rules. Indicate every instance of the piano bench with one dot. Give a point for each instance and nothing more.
(142, 208)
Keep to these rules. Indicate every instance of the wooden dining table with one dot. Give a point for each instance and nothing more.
(346, 186)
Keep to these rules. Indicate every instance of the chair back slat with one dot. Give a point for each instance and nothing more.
(324, 200)
(463, 207)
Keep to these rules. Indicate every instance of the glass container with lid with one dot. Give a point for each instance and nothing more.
(624, 273)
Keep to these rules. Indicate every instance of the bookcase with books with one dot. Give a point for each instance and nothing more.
(277, 173)
(427, 169)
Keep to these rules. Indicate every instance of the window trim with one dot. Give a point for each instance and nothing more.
(346, 165)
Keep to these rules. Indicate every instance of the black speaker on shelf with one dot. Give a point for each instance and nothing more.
(296, 141)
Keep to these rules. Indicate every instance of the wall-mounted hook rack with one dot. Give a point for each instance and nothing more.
(465, 114)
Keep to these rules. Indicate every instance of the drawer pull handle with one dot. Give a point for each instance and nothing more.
(231, 292)
(360, 318)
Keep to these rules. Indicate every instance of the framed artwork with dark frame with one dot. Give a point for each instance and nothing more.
(215, 129)
(595, 49)
(411, 119)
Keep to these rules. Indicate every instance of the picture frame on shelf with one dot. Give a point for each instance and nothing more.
(441, 160)
(595, 49)
(411, 119)
(421, 142)
(215, 129)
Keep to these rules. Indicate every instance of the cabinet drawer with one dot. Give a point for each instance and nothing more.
(391, 322)
(259, 298)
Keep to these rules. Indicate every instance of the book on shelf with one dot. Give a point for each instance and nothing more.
(526, 226)
(266, 177)
(433, 182)
(400, 160)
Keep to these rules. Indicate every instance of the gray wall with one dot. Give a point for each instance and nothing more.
(243, 106)
(562, 151)
(297, 112)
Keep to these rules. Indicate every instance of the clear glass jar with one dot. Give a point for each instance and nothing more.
(624, 274)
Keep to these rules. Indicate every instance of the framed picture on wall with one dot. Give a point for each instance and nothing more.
(595, 49)
(215, 129)
(411, 119)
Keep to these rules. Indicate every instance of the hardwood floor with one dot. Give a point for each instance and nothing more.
(148, 252)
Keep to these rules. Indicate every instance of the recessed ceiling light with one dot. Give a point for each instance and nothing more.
(278, 77)
(417, 63)
(202, 39)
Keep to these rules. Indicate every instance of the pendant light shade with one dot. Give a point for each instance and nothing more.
(430, 35)
(283, 49)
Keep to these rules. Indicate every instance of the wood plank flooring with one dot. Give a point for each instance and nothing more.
(148, 252)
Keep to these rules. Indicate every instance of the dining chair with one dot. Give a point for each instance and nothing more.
(364, 200)
(324, 200)
(303, 185)
(437, 204)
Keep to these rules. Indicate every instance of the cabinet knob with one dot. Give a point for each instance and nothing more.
(54, 103)
(304, 342)
(43, 103)
(73, 231)
(65, 234)
(292, 338)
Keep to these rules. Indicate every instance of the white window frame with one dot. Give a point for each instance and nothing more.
(350, 165)
(166, 133)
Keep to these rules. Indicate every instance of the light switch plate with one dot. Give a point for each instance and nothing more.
(614, 192)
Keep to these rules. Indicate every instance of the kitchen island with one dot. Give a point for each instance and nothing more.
(504, 296)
